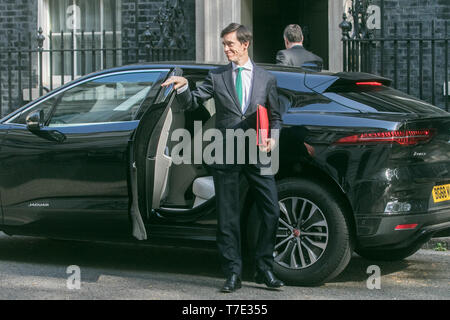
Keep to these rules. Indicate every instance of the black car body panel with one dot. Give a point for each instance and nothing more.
(40, 175)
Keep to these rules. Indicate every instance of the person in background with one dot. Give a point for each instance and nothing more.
(295, 54)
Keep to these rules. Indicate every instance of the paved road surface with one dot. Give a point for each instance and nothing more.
(33, 268)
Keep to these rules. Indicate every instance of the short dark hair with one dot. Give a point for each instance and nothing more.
(243, 34)
(293, 33)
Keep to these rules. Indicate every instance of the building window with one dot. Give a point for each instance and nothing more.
(83, 29)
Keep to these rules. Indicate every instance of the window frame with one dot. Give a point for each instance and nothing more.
(44, 23)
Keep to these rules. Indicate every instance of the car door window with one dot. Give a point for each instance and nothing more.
(312, 102)
(376, 99)
(110, 98)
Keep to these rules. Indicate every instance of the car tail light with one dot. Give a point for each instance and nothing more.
(402, 137)
(406, 226)
(369, 83)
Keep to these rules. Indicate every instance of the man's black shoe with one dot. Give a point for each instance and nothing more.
(268, 278)
(232, 284)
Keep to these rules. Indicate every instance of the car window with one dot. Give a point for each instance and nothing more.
(381, 99)
(106, 99)
(293, 81)
(45, 106)
(291, 100)
(285, 102)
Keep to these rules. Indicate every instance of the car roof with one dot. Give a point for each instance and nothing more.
(267, 66)
(209, 65)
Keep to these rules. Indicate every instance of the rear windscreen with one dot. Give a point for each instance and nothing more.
(381, 99)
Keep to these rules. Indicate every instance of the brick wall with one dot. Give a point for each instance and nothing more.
(414, 19)
(146, 12)
(17, 19)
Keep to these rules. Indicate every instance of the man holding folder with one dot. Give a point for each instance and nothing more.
(238, 88)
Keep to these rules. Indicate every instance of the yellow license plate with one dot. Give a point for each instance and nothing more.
(441, 193)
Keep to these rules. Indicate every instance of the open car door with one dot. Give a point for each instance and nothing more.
(150, 160)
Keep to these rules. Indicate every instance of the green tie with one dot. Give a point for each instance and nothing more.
(239, 85)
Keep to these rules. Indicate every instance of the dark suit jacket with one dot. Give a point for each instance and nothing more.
(219, 85)
(297, 56)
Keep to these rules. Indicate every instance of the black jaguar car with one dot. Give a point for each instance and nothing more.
(91, 160)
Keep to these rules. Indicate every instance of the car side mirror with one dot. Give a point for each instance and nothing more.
(35, 120)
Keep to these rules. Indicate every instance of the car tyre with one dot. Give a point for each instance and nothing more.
(332, 247)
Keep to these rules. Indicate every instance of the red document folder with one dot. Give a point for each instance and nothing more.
(262, 125)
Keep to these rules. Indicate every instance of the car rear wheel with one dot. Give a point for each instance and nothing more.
(313, 243)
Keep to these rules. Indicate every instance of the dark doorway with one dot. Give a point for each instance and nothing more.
(270, 17)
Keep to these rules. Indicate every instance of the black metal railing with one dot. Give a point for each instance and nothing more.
(416, 61)
(28, 72)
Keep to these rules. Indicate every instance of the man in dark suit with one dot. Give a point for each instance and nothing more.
(295, 54)
(237, 89)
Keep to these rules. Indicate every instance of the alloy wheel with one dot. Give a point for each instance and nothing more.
(302, 235)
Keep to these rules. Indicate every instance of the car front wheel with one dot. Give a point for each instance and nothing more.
(313, 243)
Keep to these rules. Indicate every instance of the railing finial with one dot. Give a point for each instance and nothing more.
(149, 37)
(346, 26)
(40, 39)
(359, 16)
(171, 22)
